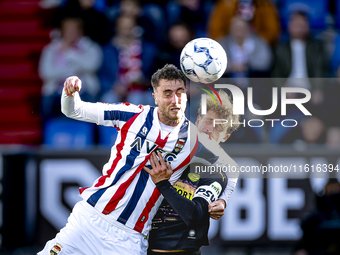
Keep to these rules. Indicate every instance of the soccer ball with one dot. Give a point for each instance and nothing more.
(203, 60)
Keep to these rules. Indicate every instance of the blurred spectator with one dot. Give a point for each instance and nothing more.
(127, 66)
(248, 54)
(178, 36)
(312, 129)
(150, 18)
(96, 25)
(321, 229)
(300, 59)
(192, 12)
(301, 56)
(72, 54)
(261, 14)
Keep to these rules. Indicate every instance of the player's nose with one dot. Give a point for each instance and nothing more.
(175, 99)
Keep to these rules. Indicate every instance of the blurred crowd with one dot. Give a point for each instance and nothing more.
(114, 46)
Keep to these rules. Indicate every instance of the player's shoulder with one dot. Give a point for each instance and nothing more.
(125, 106)
(208, 148)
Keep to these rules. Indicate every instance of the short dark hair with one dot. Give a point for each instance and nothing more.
(168, 72)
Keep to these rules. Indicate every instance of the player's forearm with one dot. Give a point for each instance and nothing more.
(232, 174)
(189, 211)
(75, 108)
(229, 189)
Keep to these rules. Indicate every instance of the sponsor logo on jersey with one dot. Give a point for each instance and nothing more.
(194, 177)
(208, 193)
(144, 131)
(184, 189)
(217, 187)
(137, 145)
(192, 234)
(179, 145)
(56, 249)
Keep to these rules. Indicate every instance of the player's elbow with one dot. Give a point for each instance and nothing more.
(67, 112)
(64, 112)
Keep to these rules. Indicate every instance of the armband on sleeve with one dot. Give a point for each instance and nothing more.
(209, 193)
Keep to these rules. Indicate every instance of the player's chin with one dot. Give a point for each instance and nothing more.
(177, 116)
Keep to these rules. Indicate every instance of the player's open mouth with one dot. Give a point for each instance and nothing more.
(175, 109)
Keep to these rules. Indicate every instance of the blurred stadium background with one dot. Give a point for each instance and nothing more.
(114, 47)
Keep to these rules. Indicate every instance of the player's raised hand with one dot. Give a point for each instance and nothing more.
(161, 170)
(216, 209)
(71, 85)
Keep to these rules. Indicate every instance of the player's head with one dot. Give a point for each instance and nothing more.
(170, 94)
(205, 123)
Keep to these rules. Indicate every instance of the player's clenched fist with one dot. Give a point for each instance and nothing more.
(72, 84)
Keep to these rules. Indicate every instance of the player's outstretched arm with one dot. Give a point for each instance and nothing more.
(71, 104)
(100, 113)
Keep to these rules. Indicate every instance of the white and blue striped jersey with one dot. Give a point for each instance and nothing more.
(125, 193)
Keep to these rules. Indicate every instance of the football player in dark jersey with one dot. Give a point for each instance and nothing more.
(182, 222)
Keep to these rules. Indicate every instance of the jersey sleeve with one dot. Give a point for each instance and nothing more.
(232, 172)
(192, 211)
(114, 115)
(211, 154)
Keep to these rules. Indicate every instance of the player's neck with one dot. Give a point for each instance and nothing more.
(167, 122)
(171, 123)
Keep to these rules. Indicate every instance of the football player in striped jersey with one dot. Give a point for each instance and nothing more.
(182, 222)
(115, 214)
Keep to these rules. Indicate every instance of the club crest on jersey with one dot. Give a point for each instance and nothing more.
(179, 145)
(56, 249)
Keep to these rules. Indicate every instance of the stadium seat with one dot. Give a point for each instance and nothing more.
(317, 11)
(107, 135)
(64, 133)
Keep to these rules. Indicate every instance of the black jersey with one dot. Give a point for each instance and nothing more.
(169, 230)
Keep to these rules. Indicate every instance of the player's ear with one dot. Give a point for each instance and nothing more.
(197, 120)
(225, 138)
(154, 96)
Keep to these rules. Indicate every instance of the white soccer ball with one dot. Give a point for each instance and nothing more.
(203, 60)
